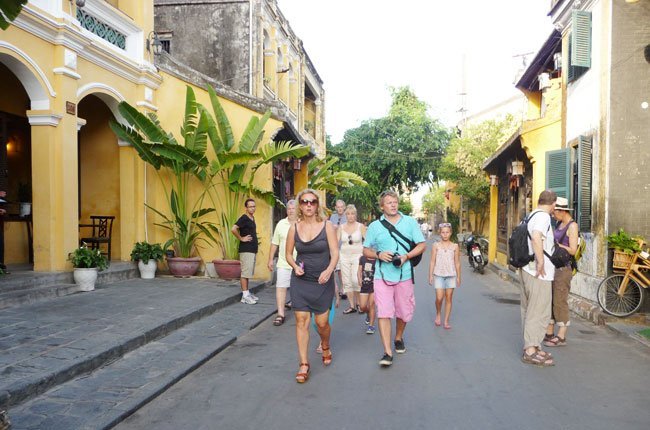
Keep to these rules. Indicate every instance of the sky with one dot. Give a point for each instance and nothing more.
(360, 48)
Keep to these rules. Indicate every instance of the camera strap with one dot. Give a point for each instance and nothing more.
(408, 247)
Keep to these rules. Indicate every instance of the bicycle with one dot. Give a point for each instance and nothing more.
(621, 294)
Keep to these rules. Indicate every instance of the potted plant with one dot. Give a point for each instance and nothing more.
(624, 247)
(147, 256)
(181, 170)
(232, 172)
(87, 262)
(25, 199)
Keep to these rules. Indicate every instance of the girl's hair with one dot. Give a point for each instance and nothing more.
(319, 209)
(351, 208)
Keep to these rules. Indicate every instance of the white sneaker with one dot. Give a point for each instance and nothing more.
(257, 299)
(248, 300)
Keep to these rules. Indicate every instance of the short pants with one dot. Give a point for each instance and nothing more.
(247, 260)
(284, 277)
(395, 299)
(444, 282)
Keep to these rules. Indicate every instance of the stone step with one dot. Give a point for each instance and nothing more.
(34, 375)
(108, 395)
(30, 295)
(25, 287)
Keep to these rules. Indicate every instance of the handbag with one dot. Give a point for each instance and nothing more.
(561, 257)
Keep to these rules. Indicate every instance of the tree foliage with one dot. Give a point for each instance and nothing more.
(399, 151)
(433, 201)
(465, 157)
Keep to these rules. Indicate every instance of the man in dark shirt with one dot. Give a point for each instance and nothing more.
(246, 231)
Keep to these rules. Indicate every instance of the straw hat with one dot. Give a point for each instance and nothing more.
(563, 204)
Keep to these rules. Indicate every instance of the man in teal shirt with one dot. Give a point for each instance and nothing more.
(394, 293)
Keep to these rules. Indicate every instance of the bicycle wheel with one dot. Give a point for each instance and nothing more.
(615, 304)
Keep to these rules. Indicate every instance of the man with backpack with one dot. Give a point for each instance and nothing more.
(536, 279)
(397, 243)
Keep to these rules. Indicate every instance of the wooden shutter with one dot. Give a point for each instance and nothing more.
(558, 171)
(581, 39)
(584, 183)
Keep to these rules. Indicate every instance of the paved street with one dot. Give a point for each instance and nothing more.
(466, 377)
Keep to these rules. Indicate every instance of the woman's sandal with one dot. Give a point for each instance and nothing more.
(302, 377)
(554, 341)
(537, 359)
(349, 311)
(279, 320)
(327, 359)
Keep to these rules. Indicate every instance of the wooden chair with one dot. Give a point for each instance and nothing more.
(102, 227)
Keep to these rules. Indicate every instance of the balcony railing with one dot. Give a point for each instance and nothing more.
(101, 29)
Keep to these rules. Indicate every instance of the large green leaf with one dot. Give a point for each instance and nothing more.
(10, 10)
(254, 132)
(274, 151)
(152, 131)
(227, 140)
(143, 149)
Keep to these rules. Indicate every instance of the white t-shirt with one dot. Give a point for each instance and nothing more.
(541, 222)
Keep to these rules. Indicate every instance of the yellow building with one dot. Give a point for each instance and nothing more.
(63, 71)
(524, 165)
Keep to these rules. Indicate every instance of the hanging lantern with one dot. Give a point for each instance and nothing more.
(517, 167)
(494, 180)
(297, 164)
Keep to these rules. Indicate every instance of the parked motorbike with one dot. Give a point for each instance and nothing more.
(477, 252)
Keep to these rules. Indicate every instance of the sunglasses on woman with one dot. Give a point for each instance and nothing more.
(349, 239)
(306, 202)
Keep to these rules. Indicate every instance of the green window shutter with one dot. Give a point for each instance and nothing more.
(558, 172)
(584, 183)
(581, 39)
(571, 70)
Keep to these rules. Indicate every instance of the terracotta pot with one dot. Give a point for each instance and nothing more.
(148, 269)
(227, 269)
(179, 266)
(85, 278)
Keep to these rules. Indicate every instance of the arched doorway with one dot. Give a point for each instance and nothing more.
(15, 169)
(99, 166)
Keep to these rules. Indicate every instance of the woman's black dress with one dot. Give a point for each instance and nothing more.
(306, 293)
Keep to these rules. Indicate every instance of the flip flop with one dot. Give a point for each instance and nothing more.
(447, 327)
(278, 321)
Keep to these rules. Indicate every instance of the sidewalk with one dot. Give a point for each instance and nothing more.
(48, 343)
(628, 327)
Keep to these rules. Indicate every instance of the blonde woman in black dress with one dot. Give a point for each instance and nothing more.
(312, 281)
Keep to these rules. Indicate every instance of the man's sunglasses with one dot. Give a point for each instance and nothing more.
(308, 202)
(444, 224)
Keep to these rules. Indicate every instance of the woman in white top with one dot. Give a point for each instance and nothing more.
(350, 237)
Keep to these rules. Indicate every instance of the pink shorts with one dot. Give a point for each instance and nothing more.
(395, 300)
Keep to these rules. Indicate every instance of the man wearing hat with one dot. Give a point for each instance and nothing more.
(566, 237)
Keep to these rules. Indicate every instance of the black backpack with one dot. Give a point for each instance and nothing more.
(519, 255)
(404, 241)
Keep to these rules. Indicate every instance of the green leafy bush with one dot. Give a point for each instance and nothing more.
(146, 251)
(624, 242)
(86, 258)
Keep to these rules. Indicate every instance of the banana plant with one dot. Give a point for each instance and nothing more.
(180, 169)
(323, 177)
(235, 165)
(9, 10)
